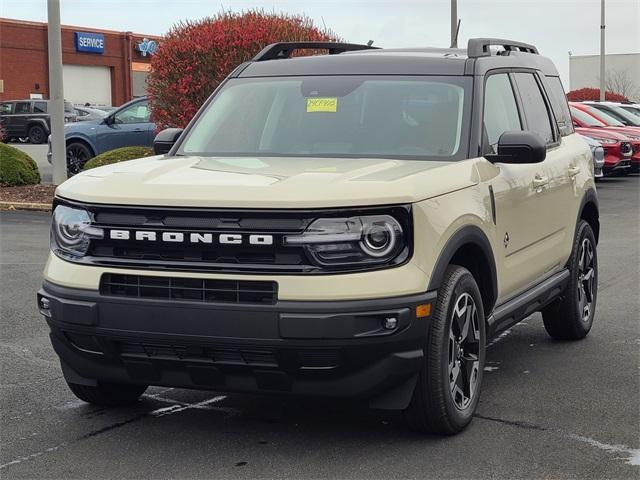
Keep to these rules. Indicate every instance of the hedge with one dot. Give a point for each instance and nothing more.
(17, 168)
(118, 155)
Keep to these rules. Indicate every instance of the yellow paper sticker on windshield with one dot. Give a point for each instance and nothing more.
(322, 105)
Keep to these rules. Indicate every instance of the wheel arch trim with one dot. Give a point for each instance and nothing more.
(38, 122)
(84, 140)
(590, 198)
(467, 235)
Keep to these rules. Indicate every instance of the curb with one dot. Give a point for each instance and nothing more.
(25, 206)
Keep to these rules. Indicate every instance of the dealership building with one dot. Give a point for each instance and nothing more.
(101, 67)
(584, 70)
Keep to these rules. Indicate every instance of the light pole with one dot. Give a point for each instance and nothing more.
(602, 74)
(454, 23)
(56, 93)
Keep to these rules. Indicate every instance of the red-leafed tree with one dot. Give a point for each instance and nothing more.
(593, 94)
(194, 57)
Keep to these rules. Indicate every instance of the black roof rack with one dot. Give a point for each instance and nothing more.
(285, 49)
(479, 47)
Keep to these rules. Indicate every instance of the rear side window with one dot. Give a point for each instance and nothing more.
(535, 108)
(23, 107)
(6, 108)
(40, 107)
(500, 110)
(559, 105)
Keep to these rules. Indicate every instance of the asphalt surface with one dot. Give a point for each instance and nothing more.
(39, 154)
(548, 409)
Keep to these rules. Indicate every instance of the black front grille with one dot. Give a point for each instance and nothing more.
(189, 289)
(204, 234)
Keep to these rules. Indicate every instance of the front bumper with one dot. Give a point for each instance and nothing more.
(319, 348)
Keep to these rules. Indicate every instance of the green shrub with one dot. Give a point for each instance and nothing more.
(17, 168)
(118, 155)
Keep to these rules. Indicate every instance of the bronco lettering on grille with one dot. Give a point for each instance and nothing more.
(195, 238)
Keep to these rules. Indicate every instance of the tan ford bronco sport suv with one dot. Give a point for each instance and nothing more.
(358, 224)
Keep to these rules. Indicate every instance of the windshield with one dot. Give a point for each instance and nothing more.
(349, 116)
(585, 118)
(605, 117)
(631, 109)
(632, 119)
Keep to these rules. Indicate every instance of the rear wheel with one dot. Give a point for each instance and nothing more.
(37, 134)
(571, 317)
(108, 394)
(77, 155)
(448, 387)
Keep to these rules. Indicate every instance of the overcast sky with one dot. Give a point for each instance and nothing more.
(555, 27)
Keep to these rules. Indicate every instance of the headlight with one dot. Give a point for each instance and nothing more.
(371, 239)
(71, 231)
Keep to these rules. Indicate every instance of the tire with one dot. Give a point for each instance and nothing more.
(37, 134)
(571, 317)
(77, 155)
(438, 405)
(108, 394)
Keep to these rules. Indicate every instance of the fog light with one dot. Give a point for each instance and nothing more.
(390, 323)
(45, 304)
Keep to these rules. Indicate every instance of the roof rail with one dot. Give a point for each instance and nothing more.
(285, 49)
(479, 47)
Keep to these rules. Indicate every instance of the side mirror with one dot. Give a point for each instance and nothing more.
(108, 120)
(519, 147)
(165, 140)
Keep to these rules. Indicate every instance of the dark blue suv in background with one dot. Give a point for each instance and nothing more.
(128, 126)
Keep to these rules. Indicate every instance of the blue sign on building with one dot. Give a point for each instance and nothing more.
(89, 42)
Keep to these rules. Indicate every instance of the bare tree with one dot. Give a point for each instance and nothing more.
(620, 82)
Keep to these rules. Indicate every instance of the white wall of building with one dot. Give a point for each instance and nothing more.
(584, 70)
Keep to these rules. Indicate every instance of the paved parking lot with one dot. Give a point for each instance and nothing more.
(548, 408)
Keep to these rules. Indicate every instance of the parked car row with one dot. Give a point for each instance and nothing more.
(128, 126)
(616, 128)
(28, 120)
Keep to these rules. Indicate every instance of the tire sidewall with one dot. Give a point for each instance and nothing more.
(464, 284)
(584, 232)
(40, 138)
(75, 169)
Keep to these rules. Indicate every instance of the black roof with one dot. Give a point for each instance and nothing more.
(350, 59)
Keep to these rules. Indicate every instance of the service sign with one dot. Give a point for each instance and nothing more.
(89, 42)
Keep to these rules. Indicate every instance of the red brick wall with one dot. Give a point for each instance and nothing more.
(24, 58)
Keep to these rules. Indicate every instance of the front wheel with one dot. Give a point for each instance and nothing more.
(77, 155)
(37, 135)
(448, 387)
(571, 317)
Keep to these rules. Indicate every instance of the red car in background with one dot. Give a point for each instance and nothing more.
(585, 116)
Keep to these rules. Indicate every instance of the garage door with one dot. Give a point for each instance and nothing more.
(84, 84)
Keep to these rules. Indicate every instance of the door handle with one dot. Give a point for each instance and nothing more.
(539, 183)
(573, 171)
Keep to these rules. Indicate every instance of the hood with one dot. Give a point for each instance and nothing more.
(274, 182)
(602, 132)
(634, 131)
(82, 126)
